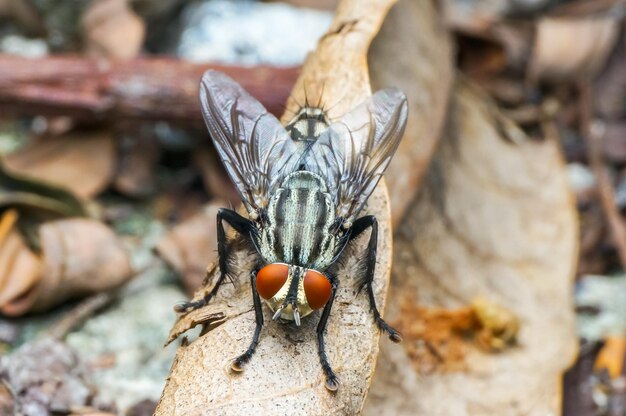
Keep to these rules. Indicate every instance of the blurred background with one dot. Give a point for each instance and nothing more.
(109, 185)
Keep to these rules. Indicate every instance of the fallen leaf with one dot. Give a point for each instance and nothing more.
(311, 4)
(37, 198)
(610, 85)
(614, 142)
(24, 13)
(112, 30)
(20, 268)
(594, 39)
(494, 219)
(191, 245)
(414, 39)
(214, 177)
(79, 257)
(285, 372)
(611, 356)
(82, 162)
(46, 377)
(136, 168)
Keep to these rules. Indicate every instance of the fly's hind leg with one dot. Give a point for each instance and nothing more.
(243, 226)
(332, 382)
(360, 225)
(237, 364)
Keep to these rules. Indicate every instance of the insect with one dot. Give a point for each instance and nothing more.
(303, 187)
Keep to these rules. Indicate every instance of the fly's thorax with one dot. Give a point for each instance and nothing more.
(300, 216)
(295, 272)
(308, 123)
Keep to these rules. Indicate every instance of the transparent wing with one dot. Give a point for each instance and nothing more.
(352, 154)
(255, 148)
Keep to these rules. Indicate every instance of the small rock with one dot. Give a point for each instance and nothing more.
(250, 33)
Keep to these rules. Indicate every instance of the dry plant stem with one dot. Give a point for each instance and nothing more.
(144, 88)
(79, 314)
(605, 189)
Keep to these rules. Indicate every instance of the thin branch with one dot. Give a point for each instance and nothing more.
(79, 314)
(593, 134)
(145, 88)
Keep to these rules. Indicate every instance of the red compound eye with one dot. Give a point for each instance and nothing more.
(271, 278)
(317, 289)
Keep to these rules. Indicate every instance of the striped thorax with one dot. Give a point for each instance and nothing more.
(300, 216)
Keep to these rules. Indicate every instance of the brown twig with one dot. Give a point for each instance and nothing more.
(79, 314)
(144, 88)
(593, 136)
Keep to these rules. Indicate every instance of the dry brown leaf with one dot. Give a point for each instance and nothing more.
(112, 30)
(569, 49)
(495, 219)
(611, 356)
(19, 267)
(613, 143)
(80, 257)
(216, 180)
(82, 162)
(414, 39)
(190, 245)
(24, 13)
(136, 169)
(285, 372)
(313, 4)
(610, 85)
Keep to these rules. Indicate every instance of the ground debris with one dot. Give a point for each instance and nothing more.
(437, 338)
(45, 377)
(191, 245)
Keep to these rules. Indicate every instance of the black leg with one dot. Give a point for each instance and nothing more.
(332, 382)
(243, 226)
(237, 364)
(360, 225)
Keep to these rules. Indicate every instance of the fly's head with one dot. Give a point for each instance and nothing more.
(293, 292)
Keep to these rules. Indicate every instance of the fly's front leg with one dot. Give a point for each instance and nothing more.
(332, 382)
(237, 364)
(243, 226)
(360, 225)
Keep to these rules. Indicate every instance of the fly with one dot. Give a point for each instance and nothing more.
(303, 187)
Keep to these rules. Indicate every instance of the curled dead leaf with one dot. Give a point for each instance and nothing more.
(415, 40)
(82, 162)
(216, 180)
(190, 245)
(20, 268)
(38, 199)
(79, 257)
(495, 219)
(24, 13)
(285, 372)
(611, 356)
(594, 38)
(112, 29)
(136, 170)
